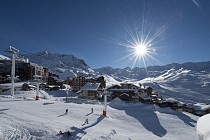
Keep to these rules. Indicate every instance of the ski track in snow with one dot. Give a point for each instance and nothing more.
(23, 129)
(180, 93)
(32, 120)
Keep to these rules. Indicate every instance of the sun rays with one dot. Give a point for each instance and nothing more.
(141, 44)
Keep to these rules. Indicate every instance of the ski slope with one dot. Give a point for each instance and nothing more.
(183, 85)
(23, 118)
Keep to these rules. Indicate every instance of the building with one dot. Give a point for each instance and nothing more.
(102, 81)
(91, 90)
(124, 91)
(5, 69)
(24, 70)
(78, 82)
(36, 70)
(45, 72)
(134, 92)
(53, 75)
(54, 81)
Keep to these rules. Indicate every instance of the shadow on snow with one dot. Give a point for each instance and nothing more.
(2, 110)
(186, 119)
(146, 115)
(78, 133)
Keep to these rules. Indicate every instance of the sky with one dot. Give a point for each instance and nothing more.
(105, 33)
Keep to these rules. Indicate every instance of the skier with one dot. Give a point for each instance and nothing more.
(86, 121)
(91, 110)
(68, 133)
(66, 111)
(60, 132)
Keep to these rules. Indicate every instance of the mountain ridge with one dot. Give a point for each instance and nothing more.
(141, 73)
(187, 82)
(70, 66)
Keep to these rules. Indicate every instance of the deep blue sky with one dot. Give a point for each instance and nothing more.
(91, 29)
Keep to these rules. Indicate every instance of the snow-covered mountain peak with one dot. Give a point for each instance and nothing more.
(2, 57)
(61, 64)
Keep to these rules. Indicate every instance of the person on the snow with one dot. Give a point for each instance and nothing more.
(86, 121)
(91, 110)
(66, 111)
(68, 133)
(60, 132)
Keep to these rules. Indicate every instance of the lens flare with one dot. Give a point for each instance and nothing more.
(141, 37)
(140, 50)
(141, 46)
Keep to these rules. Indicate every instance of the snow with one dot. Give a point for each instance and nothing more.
(110, 81)
(4, 57)
(183, 85)
(199, 106)
(23, 118)
(61, 64)
(91, 86)
(203, 127)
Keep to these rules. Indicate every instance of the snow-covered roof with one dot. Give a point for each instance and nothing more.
(130, 83)
(124, 94)
(112, 85)
(122, 89)
(91, 86)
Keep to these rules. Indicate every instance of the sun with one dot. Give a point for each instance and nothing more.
(141, 41)
(140, 49)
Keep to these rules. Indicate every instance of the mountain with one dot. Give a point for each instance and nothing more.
(187, 82)
(151, 71)
(2, 57)
(62, 64)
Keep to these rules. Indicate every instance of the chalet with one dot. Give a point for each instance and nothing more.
(125, 97)
(91, 90)
(114, 87)
(129, 86)
(136, 92)
(124, 91)
(78, 82)
(187, 108)
(54, 81)
(102, 81)
(149, 91)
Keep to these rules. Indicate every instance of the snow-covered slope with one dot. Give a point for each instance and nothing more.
(182, 84)
(61, 64)
(24, 118)
(152, 71)
(2, 57)
(188, 82)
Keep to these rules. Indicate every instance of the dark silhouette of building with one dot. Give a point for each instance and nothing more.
(78, 82)
(24, 70)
